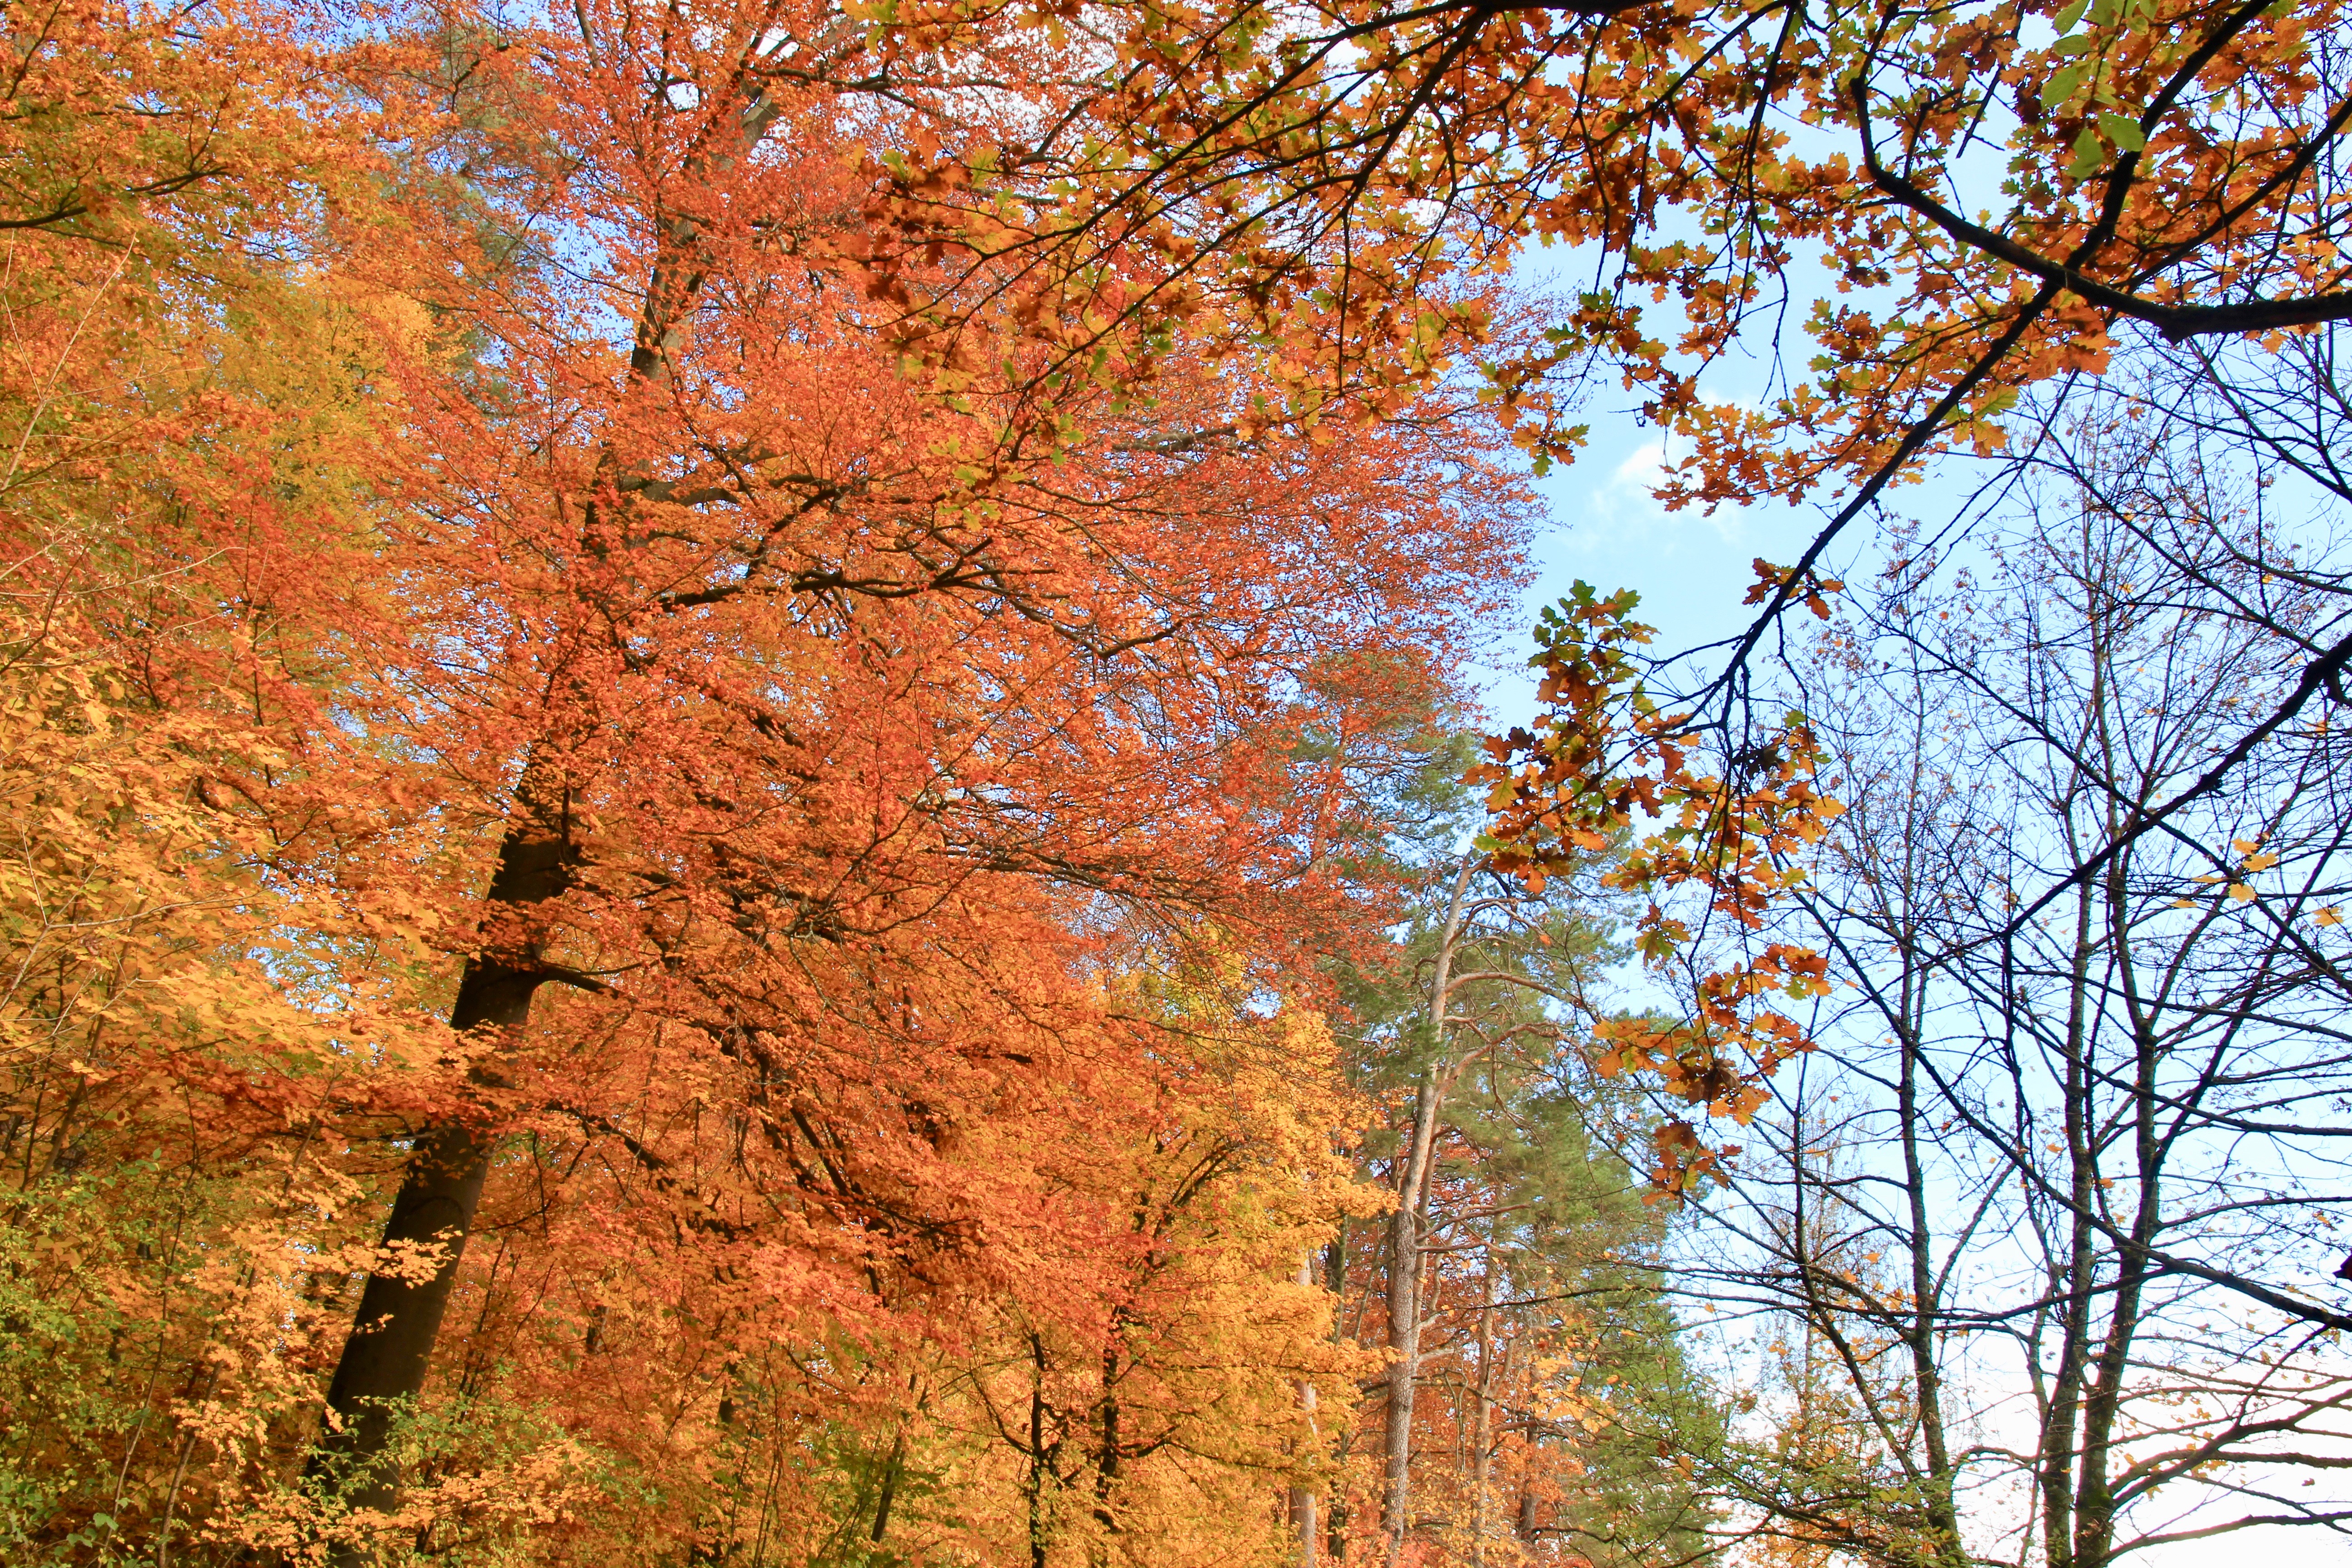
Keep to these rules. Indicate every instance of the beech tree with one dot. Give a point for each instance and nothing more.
(637, 775)
(182, 1001)
(1147, 1424)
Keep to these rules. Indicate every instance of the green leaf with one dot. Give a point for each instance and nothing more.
(2072, 14)
(2090, 153)
(2125, 134)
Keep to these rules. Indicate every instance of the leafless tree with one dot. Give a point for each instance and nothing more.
(2047, 1230)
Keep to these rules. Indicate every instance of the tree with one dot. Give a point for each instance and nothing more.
(2054, 1224)
(1566, 1407)
(667, 797)
(185, 1007)
(722, 550)
(1513, 1284)
(1146, 1421)
(1342, 177)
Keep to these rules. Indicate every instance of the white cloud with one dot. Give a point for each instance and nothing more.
(1624, 509)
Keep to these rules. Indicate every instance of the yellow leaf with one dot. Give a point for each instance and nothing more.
(2330, 916)
(2240, 892)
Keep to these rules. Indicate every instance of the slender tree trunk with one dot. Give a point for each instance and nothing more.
(2057, 1460)
(1035, 1499)
(1404, 1324)
(1943, 1510)
(1303, 1512)
(1335, 1279)
(2094, 1506)
(1405, 1241)
(1921, 1335)
(1481, 1416)
(892, 1468)
(1302, 1499)
(1106, 1460)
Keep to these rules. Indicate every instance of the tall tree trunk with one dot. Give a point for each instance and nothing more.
(1404, 1324)
(1040, 1457)
(2094, 1506)
(1107, 1457)
(1302, 1499)
(1483, 1415)
(892, 1468)
(1335, 1279)
(386, 1354)
(1303, 1510)
(1406, 1240)
(2096, 1502)
(2056, 1459)
(1926, 1310)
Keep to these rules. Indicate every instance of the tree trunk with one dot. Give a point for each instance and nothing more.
(2073, 1286)
(1404, 1238)
(1483, 1417)
(1335, 1279)
(1302, 1518)
(888, 1491)
(1302, 1499)
(385, 1358)
(1106, 1459)
(1927, 1372)
(1404, 1324)
(1035, 1488)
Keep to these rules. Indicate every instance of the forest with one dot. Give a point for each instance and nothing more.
(779, 784)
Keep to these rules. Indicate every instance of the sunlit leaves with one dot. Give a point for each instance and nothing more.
(1708, 847)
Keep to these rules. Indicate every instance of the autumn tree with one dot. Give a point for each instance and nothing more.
(637, 771)
(1505, 1281)
(1150, 1421)
(1560, 1400)
(186, 1009)
(1808, 186)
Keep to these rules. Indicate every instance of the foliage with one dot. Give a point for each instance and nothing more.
(1732, 842)
(1538, 1385)
(391, 639)
(734, 808)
